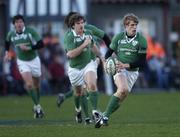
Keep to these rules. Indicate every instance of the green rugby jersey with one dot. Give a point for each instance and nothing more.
(29, 37)
(94, 31)
(128, 50)
(97, 34)
(72, 41)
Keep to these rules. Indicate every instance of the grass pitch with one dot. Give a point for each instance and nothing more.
(141, 115)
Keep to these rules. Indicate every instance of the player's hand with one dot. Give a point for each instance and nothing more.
(87, 42)
(24, 47)
(104, 63)
(103, 60)
(120, 65)
(98, 60)
(7, 57)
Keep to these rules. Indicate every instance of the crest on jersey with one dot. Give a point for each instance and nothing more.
(134, 42)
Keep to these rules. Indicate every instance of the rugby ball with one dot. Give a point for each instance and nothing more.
(110, 66)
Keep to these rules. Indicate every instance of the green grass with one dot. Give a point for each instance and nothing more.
(141, 115)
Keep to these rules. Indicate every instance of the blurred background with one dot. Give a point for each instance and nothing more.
(159, 23)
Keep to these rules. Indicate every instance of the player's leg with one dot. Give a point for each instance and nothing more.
(115, 100)
(80, 100)
(38, 109)
(124, 82)
(84, 105)
(27, 77)
(62, 97)
(28, 80)
(119, 96)
(91, 84)
(91, 79)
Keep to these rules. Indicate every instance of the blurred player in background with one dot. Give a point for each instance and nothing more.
(96, 32)
(130, 49)
(26, 42)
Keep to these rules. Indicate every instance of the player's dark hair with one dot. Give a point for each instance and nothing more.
(75, 18)
(17, 17)
(66, 20)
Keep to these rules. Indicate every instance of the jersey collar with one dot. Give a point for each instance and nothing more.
(129, 39)
(76, 35)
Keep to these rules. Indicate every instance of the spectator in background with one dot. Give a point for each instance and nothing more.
(59, 81)
(175, 67)
(17, 82)
(45, 78)
(156, 59)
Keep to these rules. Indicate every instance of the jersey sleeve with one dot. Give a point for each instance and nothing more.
(69, 43)
(34, 34)
(143, 45)
(95, 31)
(114, 43)
(8, 37)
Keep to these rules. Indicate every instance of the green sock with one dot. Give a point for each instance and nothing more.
(33, 94)
(77, 101)
(68, 94)
(84, 105)
(112, 106)
(38, 94)
(93, 96)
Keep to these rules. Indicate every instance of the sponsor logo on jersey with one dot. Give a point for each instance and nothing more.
(78, 39)
(123, 41)
(127, 53)
(18, 37)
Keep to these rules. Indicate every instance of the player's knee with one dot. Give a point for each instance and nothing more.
(78, 93)
(29, 86)
(92, 86)
(123, 92)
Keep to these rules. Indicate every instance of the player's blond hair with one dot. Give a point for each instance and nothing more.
(130, 17)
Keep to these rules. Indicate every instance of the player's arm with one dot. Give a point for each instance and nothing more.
(96, 51)
(106, 40)
(142, 55)
(109, 53)
(38, 44)
(7, 47)
(99, 33)
(112, 47)
(141, 61)
(74, 52)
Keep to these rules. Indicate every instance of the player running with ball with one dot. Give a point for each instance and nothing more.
(130, 49)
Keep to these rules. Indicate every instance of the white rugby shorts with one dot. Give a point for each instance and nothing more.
(33, 66)
(76, 76)
(130, 75)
